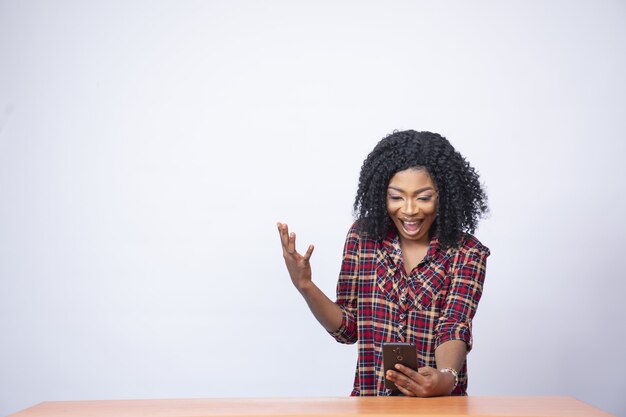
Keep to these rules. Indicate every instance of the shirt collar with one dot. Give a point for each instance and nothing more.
(392, 245)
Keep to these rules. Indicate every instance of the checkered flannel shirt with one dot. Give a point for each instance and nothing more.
(380, 303)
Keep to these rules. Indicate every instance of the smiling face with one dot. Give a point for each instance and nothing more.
(412, 204)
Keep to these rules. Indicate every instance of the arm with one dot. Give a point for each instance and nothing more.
(451, 354)
(327, 313)
(347, 288)
(453, 338)
(431, 382)
(464, 293)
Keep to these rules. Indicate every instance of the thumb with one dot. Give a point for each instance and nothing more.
(426, 370)
(308, 253)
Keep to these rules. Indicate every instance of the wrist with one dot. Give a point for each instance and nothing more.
(305, 287)
(451, 378)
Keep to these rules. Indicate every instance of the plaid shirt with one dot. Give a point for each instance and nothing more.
(380, 303)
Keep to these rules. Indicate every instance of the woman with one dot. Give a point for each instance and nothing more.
(411, 270)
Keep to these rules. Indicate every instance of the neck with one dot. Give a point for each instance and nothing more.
(413, 244)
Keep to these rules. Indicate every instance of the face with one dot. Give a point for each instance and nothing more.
(412, 204)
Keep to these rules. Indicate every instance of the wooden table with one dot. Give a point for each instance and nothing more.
(345, 406)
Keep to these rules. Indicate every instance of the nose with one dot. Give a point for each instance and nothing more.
(411, 207)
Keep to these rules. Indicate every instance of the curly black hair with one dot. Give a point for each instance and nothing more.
(461, 199)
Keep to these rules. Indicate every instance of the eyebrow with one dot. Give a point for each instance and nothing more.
(421, 190)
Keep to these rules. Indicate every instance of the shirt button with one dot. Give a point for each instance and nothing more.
(400, 326)
(402, 316)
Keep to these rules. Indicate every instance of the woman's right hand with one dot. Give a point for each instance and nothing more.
(298, 265)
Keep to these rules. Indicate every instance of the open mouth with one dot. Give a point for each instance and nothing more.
(411, 227)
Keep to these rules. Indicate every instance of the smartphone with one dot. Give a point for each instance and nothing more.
(402, 353)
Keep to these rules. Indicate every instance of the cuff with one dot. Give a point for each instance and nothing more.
(456, 331)
(346, 333)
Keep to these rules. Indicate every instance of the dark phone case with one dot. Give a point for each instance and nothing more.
(403, 353)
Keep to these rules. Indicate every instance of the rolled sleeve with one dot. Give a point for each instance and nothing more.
(347, 289)
(346, 333)
(468, 275)
(454, 331)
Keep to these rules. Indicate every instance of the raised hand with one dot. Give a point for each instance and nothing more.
(298, 265)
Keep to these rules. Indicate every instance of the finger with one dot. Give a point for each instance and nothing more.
(401, 381)
(406, 370)
(418, 378)
(283, 231)
(308, 253)
(291, 246)
(406, 391)
(398, 378)
(426, 370)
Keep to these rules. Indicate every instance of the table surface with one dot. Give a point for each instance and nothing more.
(345, 406)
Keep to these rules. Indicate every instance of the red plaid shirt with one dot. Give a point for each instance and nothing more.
(433, 304)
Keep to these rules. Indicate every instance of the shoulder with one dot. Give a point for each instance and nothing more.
(469, 259)
(470, 245)
(356, 236)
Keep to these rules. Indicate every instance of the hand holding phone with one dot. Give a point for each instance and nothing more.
(402, 353)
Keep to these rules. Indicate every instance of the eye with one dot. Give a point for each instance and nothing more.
(394, 197)
(425, 197)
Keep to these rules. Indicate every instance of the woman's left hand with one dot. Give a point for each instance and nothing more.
(425, 382)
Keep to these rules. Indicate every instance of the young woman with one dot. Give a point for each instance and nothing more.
(411, 271)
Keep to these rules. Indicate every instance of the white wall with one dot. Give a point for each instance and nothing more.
(147, 150)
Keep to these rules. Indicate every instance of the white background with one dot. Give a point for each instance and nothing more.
(147, 150)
